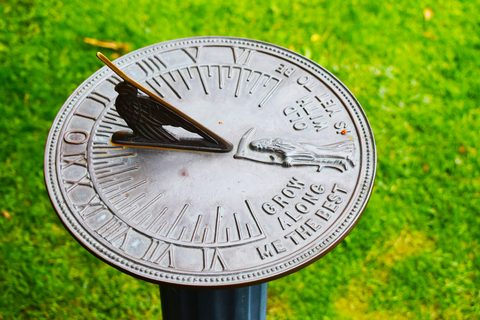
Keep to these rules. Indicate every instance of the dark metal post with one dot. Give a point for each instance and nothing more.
(247, 303)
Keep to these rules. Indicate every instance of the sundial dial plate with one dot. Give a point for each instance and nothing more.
(296, 182)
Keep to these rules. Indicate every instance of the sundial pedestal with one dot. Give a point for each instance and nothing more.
(210, 163)
(247, 303)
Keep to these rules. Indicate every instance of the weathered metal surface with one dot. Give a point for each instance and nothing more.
(296, 182)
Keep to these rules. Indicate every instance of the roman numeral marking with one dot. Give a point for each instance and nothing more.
(148, 66)
(153, 250)
(97, 97)
(77, 183)
(242, 56)
(110, 227)
(73, 136)
(113, 230)
(155, 63)
(83, 207)
(143, 68)
(169, 252)
(118, 235)
(193, 53)
(85, 116)
(159, 60)
(80, 157)
(217, 260)
(114, 80)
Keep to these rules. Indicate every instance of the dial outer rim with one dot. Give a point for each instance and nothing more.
(209, 282)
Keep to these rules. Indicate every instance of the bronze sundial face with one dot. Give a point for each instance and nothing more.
(295, 183)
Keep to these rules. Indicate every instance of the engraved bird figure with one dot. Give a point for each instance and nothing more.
(146, 116)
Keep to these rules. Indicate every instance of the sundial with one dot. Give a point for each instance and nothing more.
(258, 162)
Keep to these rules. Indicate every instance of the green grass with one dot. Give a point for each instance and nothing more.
(415, 254)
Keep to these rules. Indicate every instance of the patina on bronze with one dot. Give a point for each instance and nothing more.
(293, 184)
